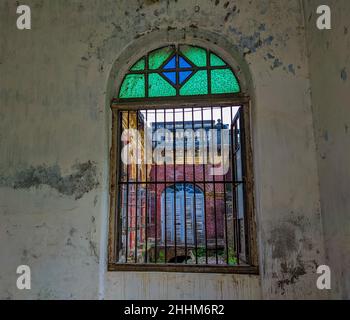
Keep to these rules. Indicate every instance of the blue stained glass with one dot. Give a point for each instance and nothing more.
(171, 64)
(171, 76)
(183, 63)
(183, 75)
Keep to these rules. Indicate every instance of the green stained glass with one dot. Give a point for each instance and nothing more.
(197, 85)
(215, 61)
(158, 57)
(133, 87)
(196, 55)
(139, 65)
(224, 81)
(159, 87)
(163, 79)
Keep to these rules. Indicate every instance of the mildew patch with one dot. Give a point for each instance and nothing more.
(291, 273)
(344, 75)
(283, 241)
(289, 247)
(81, 181)
(291, 69)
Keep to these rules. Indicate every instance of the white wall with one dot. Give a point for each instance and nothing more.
(329, 53)
(54, 115)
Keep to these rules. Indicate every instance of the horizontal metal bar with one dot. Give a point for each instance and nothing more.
(181, 182)
(253, 270)
(180, 102)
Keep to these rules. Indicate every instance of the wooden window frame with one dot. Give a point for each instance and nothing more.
(251, 266)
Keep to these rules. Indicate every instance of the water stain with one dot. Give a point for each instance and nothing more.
(82, 180)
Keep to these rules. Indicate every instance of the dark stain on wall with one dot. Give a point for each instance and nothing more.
(288, 245)
(283, 241)
(291, 273)
(344, 75)
(82, 180)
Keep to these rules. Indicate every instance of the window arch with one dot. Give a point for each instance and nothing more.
(181, 70)
(200, 219)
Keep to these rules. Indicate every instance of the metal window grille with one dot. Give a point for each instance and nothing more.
(171, 209)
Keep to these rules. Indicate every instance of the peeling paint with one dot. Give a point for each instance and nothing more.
(251, 43)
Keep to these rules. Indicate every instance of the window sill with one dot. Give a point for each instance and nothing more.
(248, 270)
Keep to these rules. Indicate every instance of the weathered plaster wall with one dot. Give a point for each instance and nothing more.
(55, 87)
(329, 56)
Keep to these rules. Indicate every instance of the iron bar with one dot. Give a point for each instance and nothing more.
(234, 190)
(174, 177)
(222, 149)
(137, 185)
(194, 186)
(215, 217)
(184, 184)
(165, 199)
(146, 185)
(127, 201)
(205, 160)
(156, 200)
(181, 182)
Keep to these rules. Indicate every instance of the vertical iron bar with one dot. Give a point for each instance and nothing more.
(146, 160)
(127, 200)
(194, 186)
(184, 179)
(204, 187)
(137, 182)
(156, 196)
(174, 156)
(225, 210)
(215, 221)
(165, 197)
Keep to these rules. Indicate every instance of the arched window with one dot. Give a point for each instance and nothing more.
(181, 166)
(179, 71)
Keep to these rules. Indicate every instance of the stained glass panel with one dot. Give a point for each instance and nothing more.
(133, 86)
(215, 61)
(196, 55)
(223, 81)
(180, 71)
(197, 85)
(183, 75)
(183, 63)
(171, 64)
(139, 65)
(159, 87)
(171, 76)
(158, 57)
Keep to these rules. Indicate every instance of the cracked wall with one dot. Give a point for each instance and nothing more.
(54, 91)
